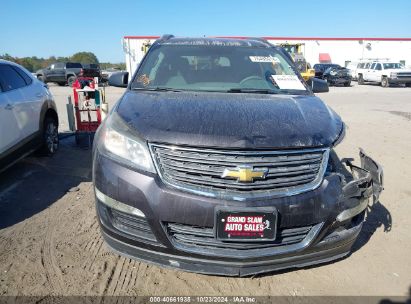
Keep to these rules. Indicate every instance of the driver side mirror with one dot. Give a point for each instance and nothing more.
(318, 85)
(119, 79)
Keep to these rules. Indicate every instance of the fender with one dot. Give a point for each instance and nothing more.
(70, 74)
(42, 75)
(48, 105)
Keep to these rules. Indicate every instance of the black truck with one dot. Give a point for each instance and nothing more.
(64, 73)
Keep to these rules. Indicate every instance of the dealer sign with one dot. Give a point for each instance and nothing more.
(246, 225)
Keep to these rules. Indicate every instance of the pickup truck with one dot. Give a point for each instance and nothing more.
(385, 73)
(64, 73)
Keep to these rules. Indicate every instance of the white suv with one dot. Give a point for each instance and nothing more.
(28, 115)
(383, 72)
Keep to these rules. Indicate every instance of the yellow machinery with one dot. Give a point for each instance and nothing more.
(145, 46)
(296, 51)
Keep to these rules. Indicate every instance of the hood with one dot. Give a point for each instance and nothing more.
(407, 71)
(230, 120)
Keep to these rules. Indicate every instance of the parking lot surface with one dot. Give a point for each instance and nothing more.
(50, 242)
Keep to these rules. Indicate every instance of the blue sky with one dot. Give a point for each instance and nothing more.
(61, 28)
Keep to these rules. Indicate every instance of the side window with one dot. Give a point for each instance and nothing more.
(23, 74)
(52, 67)
(10, 79)
(378, 67)
(59, 65)
(373, 66)
(73, 65)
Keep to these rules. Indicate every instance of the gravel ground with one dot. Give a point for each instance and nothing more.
(50, 242)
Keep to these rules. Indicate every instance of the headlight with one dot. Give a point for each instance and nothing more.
(341, 136)
(394, 75)
(121, 145)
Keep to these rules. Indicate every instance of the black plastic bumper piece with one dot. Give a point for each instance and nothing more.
(333, 248)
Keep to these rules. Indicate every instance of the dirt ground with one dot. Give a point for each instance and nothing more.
(50, 242)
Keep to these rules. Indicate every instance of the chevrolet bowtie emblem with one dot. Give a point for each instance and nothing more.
(245, 173)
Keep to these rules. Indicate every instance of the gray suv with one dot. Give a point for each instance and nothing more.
(219, 159)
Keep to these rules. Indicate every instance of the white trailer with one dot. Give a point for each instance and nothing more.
(339, 50)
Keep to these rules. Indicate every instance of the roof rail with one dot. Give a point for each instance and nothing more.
(261, 39)
(257, 38)
(166, 37)
(376, 59)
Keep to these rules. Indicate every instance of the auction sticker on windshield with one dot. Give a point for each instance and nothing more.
(264, 59)
(246, 225)
(288, 82)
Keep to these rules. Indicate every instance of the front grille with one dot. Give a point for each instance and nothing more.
(132, 225)
(404, 75)
(201, 170)
(203, 237)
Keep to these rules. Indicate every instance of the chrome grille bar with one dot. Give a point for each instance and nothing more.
(200, 171)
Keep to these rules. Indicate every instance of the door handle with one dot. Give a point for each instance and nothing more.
(9, 107)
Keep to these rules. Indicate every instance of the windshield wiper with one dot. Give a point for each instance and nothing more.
(258, 91)
(268, 91)
(157, 89)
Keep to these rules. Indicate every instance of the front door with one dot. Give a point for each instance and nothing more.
(377, 73)
(368, 73)
(10, 134)
(59, 72)
(51, 73)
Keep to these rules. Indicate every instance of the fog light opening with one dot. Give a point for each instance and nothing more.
(112, 203)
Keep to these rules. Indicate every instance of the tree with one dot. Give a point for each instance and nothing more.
(7, 57)
(27, 63)
(108, 65)
(62, 59)
(84, 57)
(35, 63)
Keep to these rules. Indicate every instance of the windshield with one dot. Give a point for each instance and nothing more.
(393, 65)
(218, 69)
(73, 65)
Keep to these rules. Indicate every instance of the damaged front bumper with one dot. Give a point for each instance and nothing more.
(142, 218)
(364, 188)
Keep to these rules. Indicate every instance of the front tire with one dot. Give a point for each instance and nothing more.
(71, 80)
(50, 137)
(408, 85)
(347, 84)
(360, 79)
(384, 82)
